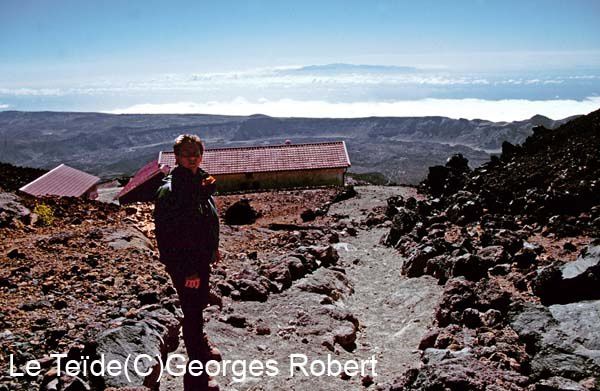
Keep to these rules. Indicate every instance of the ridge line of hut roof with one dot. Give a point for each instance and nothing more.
(270, 146)
(154, 173)
(346, 151)
(41, 176)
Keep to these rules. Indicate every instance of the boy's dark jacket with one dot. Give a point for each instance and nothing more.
(186, 221)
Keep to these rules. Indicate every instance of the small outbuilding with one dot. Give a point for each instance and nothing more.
(64, 181)
(143, 185)
(252, 168)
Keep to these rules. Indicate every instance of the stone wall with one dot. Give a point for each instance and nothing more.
(280, 179)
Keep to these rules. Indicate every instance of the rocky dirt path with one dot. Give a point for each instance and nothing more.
(360, 309)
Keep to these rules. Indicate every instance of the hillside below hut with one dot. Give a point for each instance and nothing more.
(252, 168)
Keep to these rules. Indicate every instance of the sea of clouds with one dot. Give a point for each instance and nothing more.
(335, 90)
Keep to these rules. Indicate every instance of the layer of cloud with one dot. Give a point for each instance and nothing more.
(337, 76)
(494, 110)
(3, 106)
(31, 91)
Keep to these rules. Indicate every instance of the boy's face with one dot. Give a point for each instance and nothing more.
(189, 157)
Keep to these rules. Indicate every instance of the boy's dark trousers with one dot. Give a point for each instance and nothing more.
(193, 301)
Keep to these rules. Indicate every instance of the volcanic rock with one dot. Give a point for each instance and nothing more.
(460, 294)
(241, 213)
(493, 255)
(154, 335)
(326, 255)
(345, 194)
(252, 290)
(465, 373)
(128, 238)
(562, 339)
(402, 223)
(12, 209)
(308, 215)
(571, 282)
(345, 336)
(330, 283)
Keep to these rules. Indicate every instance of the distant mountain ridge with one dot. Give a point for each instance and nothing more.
(354, 68)
(112, 145)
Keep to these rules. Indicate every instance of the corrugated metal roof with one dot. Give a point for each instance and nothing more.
(287, 157)
(142, 175)
(62, 181)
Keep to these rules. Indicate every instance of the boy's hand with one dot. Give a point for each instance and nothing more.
(208, 181)
(192, 281)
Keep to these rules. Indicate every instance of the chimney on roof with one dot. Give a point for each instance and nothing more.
(288, 142)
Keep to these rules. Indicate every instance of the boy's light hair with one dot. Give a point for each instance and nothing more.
(185, 139)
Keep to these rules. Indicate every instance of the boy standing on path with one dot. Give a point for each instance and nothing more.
(187, 233)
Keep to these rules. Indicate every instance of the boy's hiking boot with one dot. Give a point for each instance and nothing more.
(213, 385)
(213, 352)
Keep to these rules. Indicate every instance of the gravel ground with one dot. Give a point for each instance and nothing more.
(393, 312)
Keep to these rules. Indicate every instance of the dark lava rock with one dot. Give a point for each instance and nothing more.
(428, 340)
(34, 305)
(433, 355)
(471, 318)
(346, 194)
(415, 265)
(557, 383)
(366, 381)
(436, 179)
(60, 304)
(448, 179)
(148, 297)
(235, 320)
(393, 205)
(510, 240)
(330, 283)
(460, 294)
(570, 247)
(439, 267)
(279, 273)
(252, 290)
(154, 335)
(493, 255)
(491, 318)
(327, 255)
(562, 339)
(402, 223)
(12, 209)
(296, 266)
(12, 178)
(458, 163)
(333, 238)
(465, 373)
(15, 253)
(224, 287)
(73, 383)
(571, 282)
(500, 270)
(464, 208)
(241, 213)
(61, 238)
(308, 215)
(470, 266)
(345, 336)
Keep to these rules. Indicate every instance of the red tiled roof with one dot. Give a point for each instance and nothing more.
(145, 173)
(61, 181)
(287, 157)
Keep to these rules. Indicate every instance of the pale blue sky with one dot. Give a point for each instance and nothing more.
(71, 54)
(213, 35)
